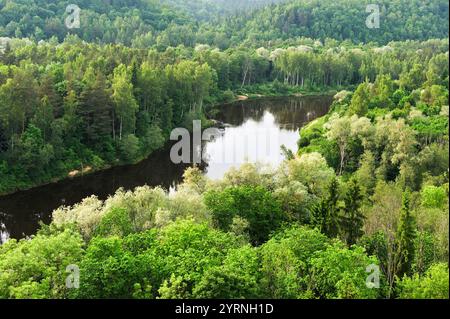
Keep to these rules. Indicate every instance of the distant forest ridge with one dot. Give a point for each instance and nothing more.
(224, 23)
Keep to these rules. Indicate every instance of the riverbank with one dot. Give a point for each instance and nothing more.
(282, 114)
(253, 92)
(277, 89)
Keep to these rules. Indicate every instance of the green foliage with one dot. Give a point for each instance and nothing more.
(34, 152)
(430, 129)
(426, 252)
(93, 111)
(255, 204)
(352, 219)
(360, 100)
(113, 104)
(117, 222)
(325, 215)
(285, 262)
(174, 288)
(434, 197)
(187, 23)
(338, 272)
(129, 148)
(406, 235)
(309, 169)
(36, 268)
(192, 259)
(190, 249)
(115, 268)
(111, 93)
(432, 285)
(335, 20)
(236, 278)
(42, 20)
(311, 131)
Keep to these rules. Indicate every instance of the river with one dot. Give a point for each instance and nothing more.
(254, 130)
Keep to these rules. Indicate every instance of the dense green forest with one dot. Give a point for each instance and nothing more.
(340, 20)
(206, 10)
(164, 23)
(367, 189)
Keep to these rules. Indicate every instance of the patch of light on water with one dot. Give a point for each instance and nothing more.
(253, 141)
(4, 235)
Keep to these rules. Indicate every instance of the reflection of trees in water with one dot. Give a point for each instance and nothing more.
(296, 112)
(5, 219)
(290, 113)
(4, 234)
(21, 219)
(23, 211)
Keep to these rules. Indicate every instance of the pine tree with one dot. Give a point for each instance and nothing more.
(352, 220)
(406, 235)
(134, 79)
(319, 216)
(44, 117)
(167, 117)
(360, 100)
(333, 209)
(96, 110)
(47, 89)
(6, 56)
(124, 101)
(325, 213)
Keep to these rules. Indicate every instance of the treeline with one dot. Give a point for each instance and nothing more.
(340, 20)
(106, 21)
(207, 10)
(160, 23)
(79, 106)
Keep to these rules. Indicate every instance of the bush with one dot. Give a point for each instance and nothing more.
(116, 222)
(227, 96)
(253, 203)
(285, 262)
(433, 197)
(119, 268)
(339, 272)
(36, 268)
(433, 285)
(236, 278)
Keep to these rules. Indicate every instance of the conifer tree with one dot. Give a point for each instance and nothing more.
(95, 110)
(325, 214)
(360, 100)
(352, 219)
(406, 235)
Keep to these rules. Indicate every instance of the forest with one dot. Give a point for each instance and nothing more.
(367, 189)
(223, 23)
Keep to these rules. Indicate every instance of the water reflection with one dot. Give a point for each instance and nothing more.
(4, 234)
(258, 130)
(20, 213)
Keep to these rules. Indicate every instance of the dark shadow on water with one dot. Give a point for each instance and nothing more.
(20, 213)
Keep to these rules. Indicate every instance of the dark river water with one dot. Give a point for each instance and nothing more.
(254, 131)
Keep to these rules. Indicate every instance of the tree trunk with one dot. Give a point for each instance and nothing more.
(120, 130)
(245, 76)
(113, 127)
(341, 166)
